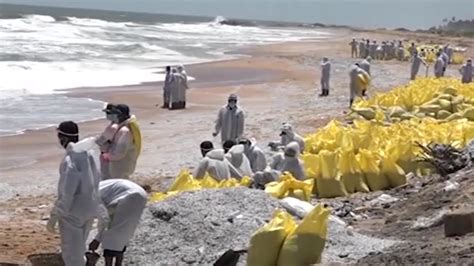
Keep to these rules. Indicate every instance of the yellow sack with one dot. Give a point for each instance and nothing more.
(369, 165)
(311, 165)
(230, 182)
(184, 182)
(246, 181)
(351, 176)
(136, 133)
(329, 184)
(159, 196)
(208, 182)
(305, 244)
(393, 172)
(288, 186)
(266, 243)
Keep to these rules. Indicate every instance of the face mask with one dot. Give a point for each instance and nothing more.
(63, 142)
(112, 117)
(232, 104)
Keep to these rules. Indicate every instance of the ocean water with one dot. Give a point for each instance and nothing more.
(43, 50)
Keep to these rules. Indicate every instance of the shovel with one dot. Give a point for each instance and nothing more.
(229, 258)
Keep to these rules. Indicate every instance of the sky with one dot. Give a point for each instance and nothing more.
(383, 13)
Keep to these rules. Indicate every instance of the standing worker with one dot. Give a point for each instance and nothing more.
(183, 86)
(466, 72)
(362, 49)
(439, 65)
(325, 75)
(353, 45)
(230, 121)
(125, 146)
(416, 61)
(125, 202)
(167, 88)
(365, 64)
(373, 49)
(445, 58)
(78, 201)
(400, 51)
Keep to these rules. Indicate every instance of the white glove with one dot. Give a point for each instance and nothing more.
(51, 225)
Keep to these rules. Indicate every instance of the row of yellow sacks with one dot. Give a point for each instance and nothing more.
(369, 156)
(186, 182)
(446, 99)
(282, 242)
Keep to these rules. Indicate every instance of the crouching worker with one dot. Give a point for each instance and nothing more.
(125, 202)
(285, 161)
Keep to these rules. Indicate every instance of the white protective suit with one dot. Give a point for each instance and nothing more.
(78, 202)
(373, 49)
(353, 84)
(365, 64)
(445, 58)
(288, 135)
(353, 45)
(125, 202)
(123, 153)
(230, 123)
(416, 61)
(167, 88)
(178, 87)
(362, 49)
(257, 159)
(239, 164)
(466, 72)
(215, 164)
(281, 163)
(439, 67)
(104, 141)
(400, 53)
(325, 75)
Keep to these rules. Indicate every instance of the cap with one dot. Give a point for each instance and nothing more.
(109, 108)
(122, 109)
(68, 128)
(207, 145)
(232, 97)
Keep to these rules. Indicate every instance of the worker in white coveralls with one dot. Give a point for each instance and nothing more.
(285, 161)
(416, 61)
(212, 163)
(325, 75)
(353, 45)
(256, 156)
(183, 86)
(104, 141)
(125, 202)
(125, 146)
(239, 164)
(466, 72)
(356, 86)
(365, 64)
(78, 202)
(439, 66)
(362, 48)
(445, 57)
(230, 121)
(287, 135)
(167, 88)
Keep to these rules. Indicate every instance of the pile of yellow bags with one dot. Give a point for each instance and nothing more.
(369, 156)
(284, 243)
(288, 186)
(442, 99)
(186, 182)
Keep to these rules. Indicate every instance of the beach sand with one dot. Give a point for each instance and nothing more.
(275, 83)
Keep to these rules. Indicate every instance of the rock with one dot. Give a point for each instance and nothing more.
(450, 186)
(459, 222)
(427, 222)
